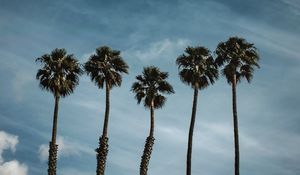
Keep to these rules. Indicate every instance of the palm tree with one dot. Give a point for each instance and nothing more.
(59, 75)
(196, 69)
(239, 59)
(105, 67)
(150, 87)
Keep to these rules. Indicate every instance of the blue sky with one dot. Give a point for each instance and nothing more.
(150, 33)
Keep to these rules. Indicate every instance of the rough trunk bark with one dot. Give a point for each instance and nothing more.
(191, 132)
(102, 155)
(236, 131)
(52, 160)
(148, 145)
(102, 151)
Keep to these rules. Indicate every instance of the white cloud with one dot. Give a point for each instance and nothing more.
(66, 148)
(14, 167)
(43, 152)
(161, 49)
(7, 141)
(73, 171)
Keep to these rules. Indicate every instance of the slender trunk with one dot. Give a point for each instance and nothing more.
(236, 132)
(106, 117)
(191, 132)
(55, 116)
(102, 151)
(52, 145)
(151, 133)
(148, 145)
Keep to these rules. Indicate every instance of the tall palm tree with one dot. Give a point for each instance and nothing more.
(105, 67)
(196, 69)
(150, 87)
(59, 75)
(239, 59)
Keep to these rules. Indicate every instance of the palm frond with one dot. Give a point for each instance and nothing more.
(106, 66)
(59, 73)
(237, 57)
(197, 67)
(150, 86)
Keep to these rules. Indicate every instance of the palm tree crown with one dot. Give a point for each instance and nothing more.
(197, 67)
(106, 66)
(60, 72)
(150, 86)
(240, 58)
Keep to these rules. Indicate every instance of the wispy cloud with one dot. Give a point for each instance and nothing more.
(294, 4)
(163, 49)
(156, 33)
(19, 83)
(66, 148)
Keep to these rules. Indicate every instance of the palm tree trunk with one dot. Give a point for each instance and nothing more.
(102, 151)
(106, 117)
(191, 132)
(52, 145)
(148, 145)
(236, 132)
(151, 133)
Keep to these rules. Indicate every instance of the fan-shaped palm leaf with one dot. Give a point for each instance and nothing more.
(198, 70)
(105, 67)
(149, 88)
(238, 58)
(59, 75)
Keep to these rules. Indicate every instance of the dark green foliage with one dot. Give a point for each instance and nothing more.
(198, 70)
(60, 72)
(197, 67)
(106, 66)
(59, 75)
(238, 58)
(150, 86)
(102, 155)
(146, 155)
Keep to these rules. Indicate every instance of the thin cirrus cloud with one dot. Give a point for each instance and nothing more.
(153, 33)
(294, 4)
(164, 48)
